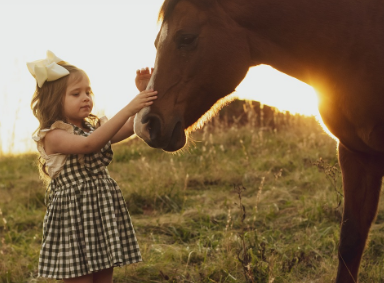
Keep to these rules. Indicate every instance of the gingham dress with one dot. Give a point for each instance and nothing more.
(87, 226)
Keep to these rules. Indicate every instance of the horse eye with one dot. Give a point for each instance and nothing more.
(187, 40)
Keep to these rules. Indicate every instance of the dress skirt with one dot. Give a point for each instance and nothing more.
(87, 228)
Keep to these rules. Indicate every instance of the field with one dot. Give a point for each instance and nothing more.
(240, 204)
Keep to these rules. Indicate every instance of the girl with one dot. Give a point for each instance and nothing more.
(87, 229)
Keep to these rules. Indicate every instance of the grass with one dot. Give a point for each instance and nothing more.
(241, 204)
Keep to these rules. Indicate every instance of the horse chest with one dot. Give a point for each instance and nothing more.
(356, 127)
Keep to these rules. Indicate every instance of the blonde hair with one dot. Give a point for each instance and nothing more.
(48, 100)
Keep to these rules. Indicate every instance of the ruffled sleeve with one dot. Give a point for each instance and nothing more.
(54, 162)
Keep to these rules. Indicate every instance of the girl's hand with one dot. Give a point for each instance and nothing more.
(142, 78)
(143, 99)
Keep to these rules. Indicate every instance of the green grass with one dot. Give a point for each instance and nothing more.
(188, 215)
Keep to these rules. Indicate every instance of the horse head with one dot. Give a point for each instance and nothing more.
(184, 81)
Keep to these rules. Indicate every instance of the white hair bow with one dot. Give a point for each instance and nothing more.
(47, 69)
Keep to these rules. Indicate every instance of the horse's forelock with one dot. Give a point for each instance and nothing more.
(166, 9)
(169, 5)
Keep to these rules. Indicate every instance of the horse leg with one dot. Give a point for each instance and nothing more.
(362, 183)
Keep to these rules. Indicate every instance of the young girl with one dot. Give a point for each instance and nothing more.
(87, 229)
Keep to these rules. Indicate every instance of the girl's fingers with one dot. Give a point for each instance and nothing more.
(144, 71)
(148, 94)
(151, 93)
(148, 99)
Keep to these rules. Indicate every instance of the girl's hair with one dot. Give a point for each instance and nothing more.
(47, 103)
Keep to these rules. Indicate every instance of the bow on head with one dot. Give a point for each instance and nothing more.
(47, 69)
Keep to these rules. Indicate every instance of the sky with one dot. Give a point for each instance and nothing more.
(110, 40)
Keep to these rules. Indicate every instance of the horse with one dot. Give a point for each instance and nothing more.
(205, 48)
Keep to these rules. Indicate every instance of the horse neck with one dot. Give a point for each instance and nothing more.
(305, 39)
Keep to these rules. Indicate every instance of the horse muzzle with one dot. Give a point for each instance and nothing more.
(151, 129)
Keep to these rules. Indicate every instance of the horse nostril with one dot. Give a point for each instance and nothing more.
(154, 127)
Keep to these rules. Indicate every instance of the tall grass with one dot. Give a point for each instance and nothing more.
(1, 143)
(240, 204)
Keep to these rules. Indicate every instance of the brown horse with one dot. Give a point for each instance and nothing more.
(204, 50)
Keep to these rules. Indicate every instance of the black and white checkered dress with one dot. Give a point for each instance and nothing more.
(87, 226)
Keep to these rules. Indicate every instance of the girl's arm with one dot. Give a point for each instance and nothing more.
(125, 132)
(59, 141)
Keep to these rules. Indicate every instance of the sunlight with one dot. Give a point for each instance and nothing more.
(273, 88)
(114, 41)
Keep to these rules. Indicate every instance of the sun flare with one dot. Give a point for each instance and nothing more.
(273, 88)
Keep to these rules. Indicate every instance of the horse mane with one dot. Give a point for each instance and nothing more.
(169, 5)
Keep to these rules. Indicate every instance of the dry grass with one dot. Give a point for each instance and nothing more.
(186, 209)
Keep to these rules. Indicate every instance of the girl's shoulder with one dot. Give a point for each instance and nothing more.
(56, 125)
(54, 162)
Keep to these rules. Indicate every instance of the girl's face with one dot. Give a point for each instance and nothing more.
(78, 101)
